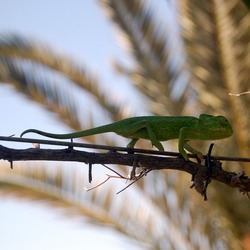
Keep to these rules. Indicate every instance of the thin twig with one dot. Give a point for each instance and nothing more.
(113, 171)
(242, 93)
(98, 185)
(137, 179)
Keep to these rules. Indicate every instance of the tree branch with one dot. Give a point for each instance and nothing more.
(148, 162)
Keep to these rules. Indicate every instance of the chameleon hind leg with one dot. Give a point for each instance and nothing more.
(132, 143)
(137, 128)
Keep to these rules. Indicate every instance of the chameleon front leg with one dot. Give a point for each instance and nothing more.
(186, 134)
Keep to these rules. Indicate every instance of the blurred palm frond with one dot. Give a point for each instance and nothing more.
(217, 41)
(43, 75)
(154, 48)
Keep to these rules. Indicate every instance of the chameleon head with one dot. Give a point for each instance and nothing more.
(221, 126)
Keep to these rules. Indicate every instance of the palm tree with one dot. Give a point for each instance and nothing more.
(185, 67)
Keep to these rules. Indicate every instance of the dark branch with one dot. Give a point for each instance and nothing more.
(198, 172)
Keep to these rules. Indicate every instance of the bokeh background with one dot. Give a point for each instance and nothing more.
(68, 66)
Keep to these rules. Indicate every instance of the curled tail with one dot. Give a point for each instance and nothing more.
(36, 131)
(92, 131)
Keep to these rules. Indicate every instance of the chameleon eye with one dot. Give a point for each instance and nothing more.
(222, 118)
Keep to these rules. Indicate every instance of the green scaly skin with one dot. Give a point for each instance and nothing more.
(159, 128)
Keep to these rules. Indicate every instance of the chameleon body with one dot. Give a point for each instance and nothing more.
(159, 128)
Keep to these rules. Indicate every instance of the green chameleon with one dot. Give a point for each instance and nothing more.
(159, 128)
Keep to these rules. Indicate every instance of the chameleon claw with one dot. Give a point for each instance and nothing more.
(199, 158)
(183, 158)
